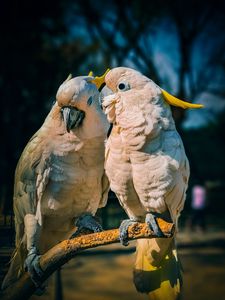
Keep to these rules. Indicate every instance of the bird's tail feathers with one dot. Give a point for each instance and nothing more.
(157, 269)
(16, 267)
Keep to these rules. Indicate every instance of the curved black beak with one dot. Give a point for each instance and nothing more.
(66, 117)
(72, 117)
(101, 86)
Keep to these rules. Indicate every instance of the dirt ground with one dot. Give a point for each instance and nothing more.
(107, 274)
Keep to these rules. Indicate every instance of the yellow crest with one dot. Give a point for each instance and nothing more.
(98, 81)
(90, 74)
(170, 99)
(68, 78)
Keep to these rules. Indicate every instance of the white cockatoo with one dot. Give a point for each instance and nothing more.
(60, 180)
(148, 170)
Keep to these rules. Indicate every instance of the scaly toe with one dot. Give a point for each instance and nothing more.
(32, 265)
(88, 221)
(124, 231)
(152, 223)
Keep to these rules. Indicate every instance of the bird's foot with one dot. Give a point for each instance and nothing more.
(32, 265)
(124, 231)
(150, 219)
(87, 221)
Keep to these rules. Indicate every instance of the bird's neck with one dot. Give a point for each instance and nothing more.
(94, 124)
(144, 129)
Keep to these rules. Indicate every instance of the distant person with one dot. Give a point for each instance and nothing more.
(198, 205)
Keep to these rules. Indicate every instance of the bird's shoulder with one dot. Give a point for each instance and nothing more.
(34, 161)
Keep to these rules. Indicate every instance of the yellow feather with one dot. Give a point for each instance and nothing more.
(170, 99)
(68, 78)
(98, 81)
(161, 280)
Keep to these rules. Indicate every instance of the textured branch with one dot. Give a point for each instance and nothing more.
(64, 251)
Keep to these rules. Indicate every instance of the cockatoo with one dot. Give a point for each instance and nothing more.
(60, 180)
(148, 170)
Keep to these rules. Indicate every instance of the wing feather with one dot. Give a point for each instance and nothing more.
(31, 177)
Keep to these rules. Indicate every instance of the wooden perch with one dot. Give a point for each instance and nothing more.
(64, 251)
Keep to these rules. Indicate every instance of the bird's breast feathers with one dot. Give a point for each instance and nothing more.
(151, 169)
(74, 181)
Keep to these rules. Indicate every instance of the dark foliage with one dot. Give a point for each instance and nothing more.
(43, 41)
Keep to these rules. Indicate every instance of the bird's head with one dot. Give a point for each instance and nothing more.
(76, 95)
(131, 88)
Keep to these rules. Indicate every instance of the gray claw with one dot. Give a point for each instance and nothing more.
(89, 222)
(152, 223)
(124, 231)
(32, 265)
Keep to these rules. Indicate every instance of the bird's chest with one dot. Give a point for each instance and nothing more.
(117, 149)
(117, 163)
(74, 185)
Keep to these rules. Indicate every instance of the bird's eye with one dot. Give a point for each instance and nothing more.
(123, 86)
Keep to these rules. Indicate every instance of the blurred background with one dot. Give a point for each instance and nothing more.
(178, 44)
